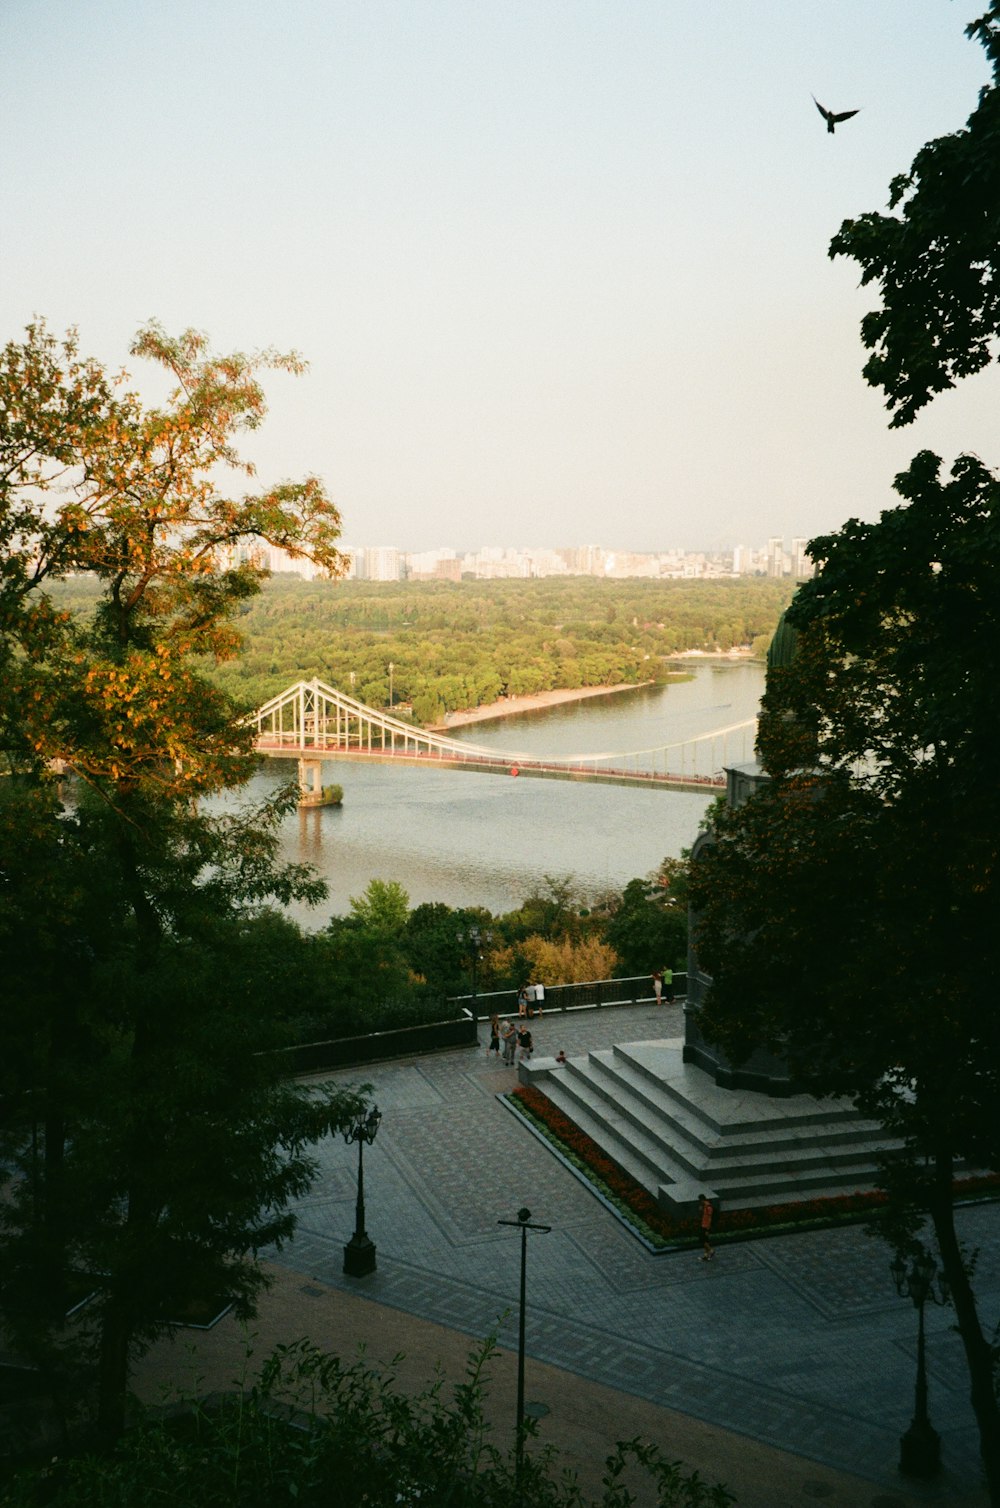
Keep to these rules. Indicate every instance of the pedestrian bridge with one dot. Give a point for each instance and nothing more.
(313, 722)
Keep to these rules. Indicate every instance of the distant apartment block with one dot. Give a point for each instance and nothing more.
(381, 563)
(802, 566)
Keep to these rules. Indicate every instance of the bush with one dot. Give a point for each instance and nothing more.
(316, 1431)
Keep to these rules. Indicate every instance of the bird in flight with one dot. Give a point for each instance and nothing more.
(828, 115)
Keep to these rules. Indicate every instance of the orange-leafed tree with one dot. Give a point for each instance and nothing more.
(149, 1147)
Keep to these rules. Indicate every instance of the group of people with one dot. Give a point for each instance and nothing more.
(510, 1040)
(530, 998)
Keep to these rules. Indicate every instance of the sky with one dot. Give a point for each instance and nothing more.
(559, 267)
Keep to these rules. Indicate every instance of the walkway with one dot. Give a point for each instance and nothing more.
(798, 1343)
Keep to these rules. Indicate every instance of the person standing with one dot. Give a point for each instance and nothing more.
(657, 985)
(668, 985)
(522, 1000)
(706, 1215)
(508, 1036)
(494, 1036)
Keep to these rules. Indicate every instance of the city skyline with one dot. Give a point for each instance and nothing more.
(553, 267)
(389, 563)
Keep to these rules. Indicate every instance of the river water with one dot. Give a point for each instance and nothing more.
(474, 839)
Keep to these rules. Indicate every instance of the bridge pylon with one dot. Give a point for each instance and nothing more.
(312, 792)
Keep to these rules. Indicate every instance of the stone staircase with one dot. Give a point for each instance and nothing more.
(679, 1134)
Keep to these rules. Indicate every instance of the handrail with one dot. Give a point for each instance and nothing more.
(633, 990)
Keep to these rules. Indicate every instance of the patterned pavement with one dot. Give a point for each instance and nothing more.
(798, 1341)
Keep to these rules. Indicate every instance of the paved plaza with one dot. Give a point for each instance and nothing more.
(798, 1341)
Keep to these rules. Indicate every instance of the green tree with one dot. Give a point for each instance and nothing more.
(867, 877)
(383, 907)
(936, 262)
(433, 948)
(647, 928)
(848, 913)
(147, 1139)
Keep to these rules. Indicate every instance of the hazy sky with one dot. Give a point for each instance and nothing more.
(559, 266)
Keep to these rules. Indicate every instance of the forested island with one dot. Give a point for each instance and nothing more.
(458, 645)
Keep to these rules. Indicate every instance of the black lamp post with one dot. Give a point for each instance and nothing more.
(920, 1447)
(359, 1251)
(474, 937)
(523, 1224)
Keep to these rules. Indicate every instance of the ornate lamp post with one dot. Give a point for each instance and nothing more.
(359, 1251)
(474, 937)
(920, 1447)
(523, 1224)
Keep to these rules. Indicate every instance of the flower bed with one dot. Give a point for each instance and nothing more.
(661, 1231)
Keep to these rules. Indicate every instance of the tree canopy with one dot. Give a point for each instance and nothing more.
(148, 1145)
(935, 261)
(848, 912)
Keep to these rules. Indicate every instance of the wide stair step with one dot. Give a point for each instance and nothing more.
(677, 1133)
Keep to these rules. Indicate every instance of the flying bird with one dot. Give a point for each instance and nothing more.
(828, 115)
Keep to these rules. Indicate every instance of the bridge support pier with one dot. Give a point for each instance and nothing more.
(311, 791)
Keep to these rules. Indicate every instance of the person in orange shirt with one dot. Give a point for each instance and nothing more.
(705, 1218)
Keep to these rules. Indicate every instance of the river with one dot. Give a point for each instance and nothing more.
(489, 840)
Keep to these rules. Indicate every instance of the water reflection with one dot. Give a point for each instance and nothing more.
(469, 839)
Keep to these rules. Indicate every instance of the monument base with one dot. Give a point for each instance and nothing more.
(680, 1133)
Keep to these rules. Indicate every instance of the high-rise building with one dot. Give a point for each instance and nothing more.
(802, 566)
(776, 556)
(381, 563)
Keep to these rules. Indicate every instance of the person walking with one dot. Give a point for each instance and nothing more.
(668, 985)
(525, 1044)
(494, 1036)
(657, 985)
(706, 1215)
(508, 1036)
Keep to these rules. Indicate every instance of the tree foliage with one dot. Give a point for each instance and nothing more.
(455, 645)
(648, 927)
(315, 1430)
(148, 1146)
(936, 261)
(848, 914)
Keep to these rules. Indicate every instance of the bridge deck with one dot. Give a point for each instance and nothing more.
(539, 769)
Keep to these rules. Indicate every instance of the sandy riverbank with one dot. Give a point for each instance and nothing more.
(507, 706)
(538, 701)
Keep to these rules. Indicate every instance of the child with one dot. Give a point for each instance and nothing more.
(561, 1057)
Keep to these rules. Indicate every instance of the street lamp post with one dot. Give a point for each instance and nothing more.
(920, 1446)
(523, 1224)
(359, 1251)
(474, 937)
